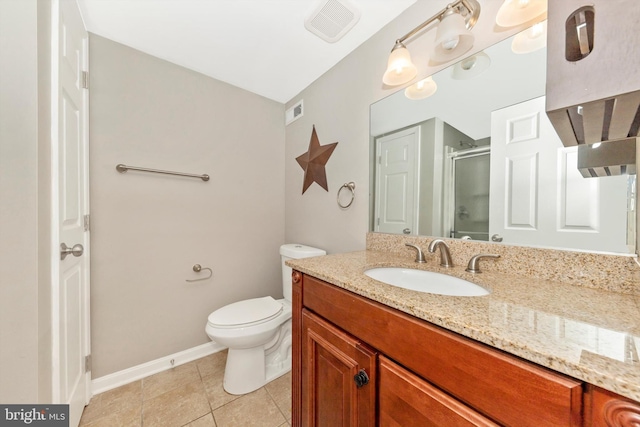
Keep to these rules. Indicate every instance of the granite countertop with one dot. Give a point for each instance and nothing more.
(588, 334)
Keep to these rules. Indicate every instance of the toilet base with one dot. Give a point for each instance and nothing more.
(249, 369)
(278, 358)
(245, 370)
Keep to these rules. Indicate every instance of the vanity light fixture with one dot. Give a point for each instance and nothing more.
(471, 67)
(531, 39)
(516, 12)
(422, 89)
(400, 69)
(453, 39)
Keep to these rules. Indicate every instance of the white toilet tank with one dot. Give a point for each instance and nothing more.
(294, 251)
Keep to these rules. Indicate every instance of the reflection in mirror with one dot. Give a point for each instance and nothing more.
(478, 159)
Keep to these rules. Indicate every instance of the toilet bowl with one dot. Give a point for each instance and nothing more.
(257, 332)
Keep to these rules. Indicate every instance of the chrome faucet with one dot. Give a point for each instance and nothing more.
(445, 255)
(474, 262)
(419, 254)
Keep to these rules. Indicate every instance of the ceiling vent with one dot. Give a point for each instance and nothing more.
(294, 113)
(332, 19)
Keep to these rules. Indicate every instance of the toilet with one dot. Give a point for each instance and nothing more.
(257, 332)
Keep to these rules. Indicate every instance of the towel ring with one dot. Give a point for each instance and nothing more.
(198, 268)
(351, 186)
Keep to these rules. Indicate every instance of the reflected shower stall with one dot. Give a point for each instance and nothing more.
(467, 193)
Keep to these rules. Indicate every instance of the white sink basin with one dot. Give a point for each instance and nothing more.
(426, 281)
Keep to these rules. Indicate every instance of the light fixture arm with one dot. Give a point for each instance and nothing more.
(471, 17)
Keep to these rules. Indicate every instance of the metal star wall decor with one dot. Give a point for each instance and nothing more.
(314, 160)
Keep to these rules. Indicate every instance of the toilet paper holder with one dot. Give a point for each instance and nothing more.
(198, 268)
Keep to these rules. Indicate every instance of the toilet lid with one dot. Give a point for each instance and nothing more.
(245, 312)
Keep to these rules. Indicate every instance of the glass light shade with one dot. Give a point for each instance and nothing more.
(400, 69)
(531, 39)
(517, 12)
(422, 89)
(452, 38)
(471, 67)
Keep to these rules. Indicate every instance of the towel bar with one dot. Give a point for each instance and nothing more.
(123, 168)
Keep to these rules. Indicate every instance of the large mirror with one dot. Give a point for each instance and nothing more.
(479, 159)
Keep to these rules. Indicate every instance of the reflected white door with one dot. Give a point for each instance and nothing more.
(70, 296)
(573, 212)
(396, 182)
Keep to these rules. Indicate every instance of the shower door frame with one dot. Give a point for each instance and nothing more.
(449, 182)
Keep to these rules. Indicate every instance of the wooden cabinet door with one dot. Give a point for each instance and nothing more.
(406, 400)
(330, 360)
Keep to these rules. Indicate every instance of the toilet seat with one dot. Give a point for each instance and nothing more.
(245, 313)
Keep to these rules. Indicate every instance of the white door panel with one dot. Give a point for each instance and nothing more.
(571, 212)
(522, 192)
(396, 186)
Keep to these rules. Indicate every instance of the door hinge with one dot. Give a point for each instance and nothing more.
(87, 363)
(87, 222)
(85, 80)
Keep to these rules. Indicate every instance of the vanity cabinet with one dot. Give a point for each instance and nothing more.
(419, 374)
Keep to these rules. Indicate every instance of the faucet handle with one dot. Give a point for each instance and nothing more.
(419, 254)
(474, 262)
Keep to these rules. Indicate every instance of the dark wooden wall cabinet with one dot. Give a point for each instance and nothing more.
(357, 362)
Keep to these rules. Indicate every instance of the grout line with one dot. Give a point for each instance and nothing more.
(142, 402)
(276, 403)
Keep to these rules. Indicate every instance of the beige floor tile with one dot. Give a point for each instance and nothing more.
(215, 392)
(162, 382)
(206, 421)
(176, 407)
(185, 396)
(212, 364)
(126, 399)
(126, 418)
(280, 391)
(253, 409)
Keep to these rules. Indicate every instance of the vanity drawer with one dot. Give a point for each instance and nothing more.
(406, 400)
(502, 387)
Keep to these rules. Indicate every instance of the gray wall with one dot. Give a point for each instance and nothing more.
(430, 200)
(149, 230)
(25, 298)
(338, 104)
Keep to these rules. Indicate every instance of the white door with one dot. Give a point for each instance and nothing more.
(71, 204)
(571, 212)
(396, 182)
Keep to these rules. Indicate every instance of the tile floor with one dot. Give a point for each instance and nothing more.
(190, 395)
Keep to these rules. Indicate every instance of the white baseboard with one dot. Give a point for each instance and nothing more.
(126, 376)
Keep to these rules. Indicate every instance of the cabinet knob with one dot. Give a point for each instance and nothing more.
(296, 277)
(361, 378)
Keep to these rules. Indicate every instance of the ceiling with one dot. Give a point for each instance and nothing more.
(258, 45)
